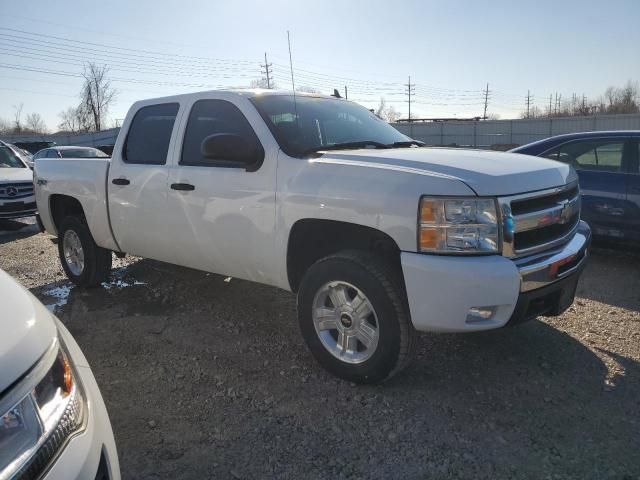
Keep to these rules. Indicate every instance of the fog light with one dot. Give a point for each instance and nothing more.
(480, 314)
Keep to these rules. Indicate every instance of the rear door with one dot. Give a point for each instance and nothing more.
(600, 164)
(137, 184)
(633, 190)
(223, 216)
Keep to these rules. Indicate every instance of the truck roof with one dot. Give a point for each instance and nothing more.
(234, 92)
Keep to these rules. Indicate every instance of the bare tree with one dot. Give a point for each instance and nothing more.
(17, 117)
(307, 89)
(392, 115)
(34, 123)
(382, 106)
(628, 98)
(386, 112)
(262, 83)
(5, 126)
(71, 120)
(97, 94)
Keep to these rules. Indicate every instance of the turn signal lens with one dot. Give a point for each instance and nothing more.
(68, 376)
(428, 212)
(429, 238)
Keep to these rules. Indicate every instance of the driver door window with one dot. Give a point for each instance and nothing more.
(210, 117)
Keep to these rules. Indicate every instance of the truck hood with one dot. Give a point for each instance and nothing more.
(486, 172)
(27, 330)
(16, 175)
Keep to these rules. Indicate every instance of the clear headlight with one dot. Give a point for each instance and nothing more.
(458, 225)
(33, 430)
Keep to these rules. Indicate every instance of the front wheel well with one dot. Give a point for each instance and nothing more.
(313, 239)
(62, 206)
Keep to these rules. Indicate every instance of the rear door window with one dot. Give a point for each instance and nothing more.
(603, 155)
(149, 135)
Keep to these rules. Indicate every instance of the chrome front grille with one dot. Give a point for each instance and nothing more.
(15, 191)
(538, 221)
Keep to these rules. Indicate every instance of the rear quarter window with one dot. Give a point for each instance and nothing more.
(149, 134)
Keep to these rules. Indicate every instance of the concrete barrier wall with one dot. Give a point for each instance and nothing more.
(485, 133)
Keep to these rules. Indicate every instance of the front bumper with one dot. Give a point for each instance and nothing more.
(442, 290)
(90, 454)
(25, 207)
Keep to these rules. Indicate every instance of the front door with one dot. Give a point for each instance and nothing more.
(633, 191)
(602, 176)
(223, 215)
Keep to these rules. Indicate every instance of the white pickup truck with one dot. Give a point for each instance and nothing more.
(377, 235)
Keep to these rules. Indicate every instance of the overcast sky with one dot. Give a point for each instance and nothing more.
(450, 49)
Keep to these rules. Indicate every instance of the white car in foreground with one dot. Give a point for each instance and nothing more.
(53, 421)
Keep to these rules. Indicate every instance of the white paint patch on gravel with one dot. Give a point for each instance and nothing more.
(61, 295)
(118, 282)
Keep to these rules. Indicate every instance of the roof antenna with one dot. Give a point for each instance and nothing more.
(295, 103)
(336, 93)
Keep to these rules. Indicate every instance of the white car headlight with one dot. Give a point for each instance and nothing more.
(464, 225)
(33, 430)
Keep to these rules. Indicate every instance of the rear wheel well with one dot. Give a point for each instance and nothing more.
(62, 206)
(313, 239)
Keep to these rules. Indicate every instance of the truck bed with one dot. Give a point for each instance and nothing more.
(83, 179)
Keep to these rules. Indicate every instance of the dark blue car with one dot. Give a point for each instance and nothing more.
(607, 166)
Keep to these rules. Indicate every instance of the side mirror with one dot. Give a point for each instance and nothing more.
(233, 149)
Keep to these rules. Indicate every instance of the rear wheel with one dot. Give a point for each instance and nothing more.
(353, 315)
(85, 263)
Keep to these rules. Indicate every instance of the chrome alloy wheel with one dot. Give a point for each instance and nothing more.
(73, 252)
(345, 322)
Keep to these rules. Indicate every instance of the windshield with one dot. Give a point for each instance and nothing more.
(315, 122)
(82, 153)
(8, 159)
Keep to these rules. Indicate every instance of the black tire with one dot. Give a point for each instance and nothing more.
(97, 260)
(383, 287)
(39, 223)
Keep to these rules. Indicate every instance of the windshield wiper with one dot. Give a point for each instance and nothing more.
(407, 143)
(347, 146)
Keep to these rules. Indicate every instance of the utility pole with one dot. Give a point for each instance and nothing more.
(486, 102)
(560, 104)
(267, 70)
(410, 89)
(550, 98)
(346, 95)
(555, 112)
(528, 102)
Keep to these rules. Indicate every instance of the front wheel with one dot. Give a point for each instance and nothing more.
(85, 263)
(354, 317)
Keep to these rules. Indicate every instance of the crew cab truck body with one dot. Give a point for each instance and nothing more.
(377, 236)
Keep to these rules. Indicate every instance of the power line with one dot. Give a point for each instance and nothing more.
(174, 63)
(102, 45)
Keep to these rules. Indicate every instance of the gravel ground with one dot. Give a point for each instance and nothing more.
(207, 377)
